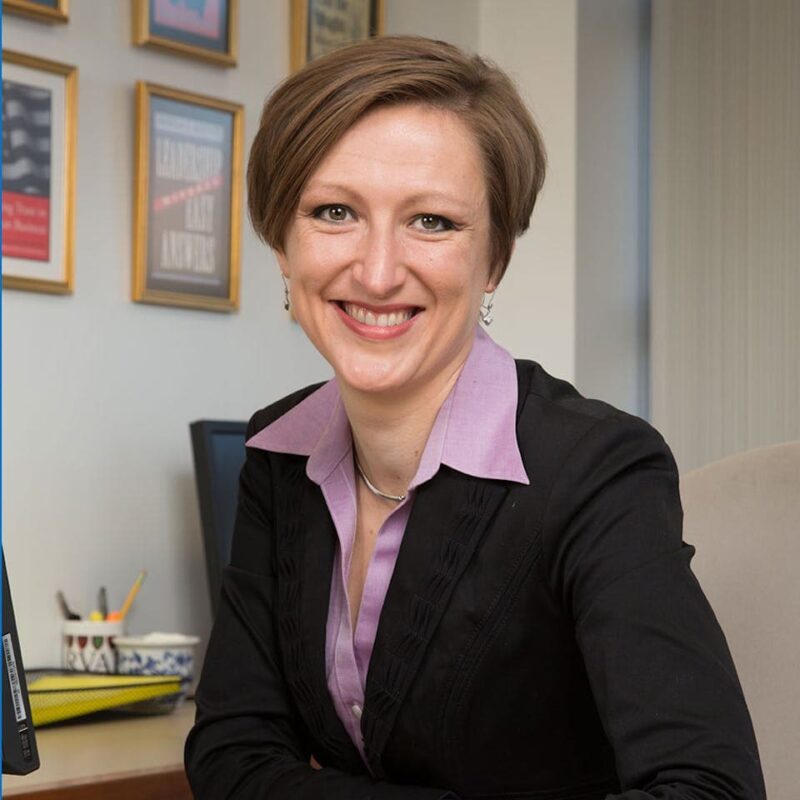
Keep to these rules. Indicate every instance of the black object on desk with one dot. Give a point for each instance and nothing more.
(219, 455)
(20, 755)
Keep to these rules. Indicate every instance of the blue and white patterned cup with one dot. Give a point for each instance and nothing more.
(158, 654)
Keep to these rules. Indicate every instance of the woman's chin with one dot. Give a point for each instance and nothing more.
(377, 379)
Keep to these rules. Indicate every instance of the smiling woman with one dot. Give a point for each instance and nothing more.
(451, 575)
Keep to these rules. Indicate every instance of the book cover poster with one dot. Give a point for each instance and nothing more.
(189, 199)
(39, 113)
(27, 145)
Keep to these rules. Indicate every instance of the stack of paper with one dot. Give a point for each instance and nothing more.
(56, 696)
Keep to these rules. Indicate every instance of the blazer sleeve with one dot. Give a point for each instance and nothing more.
(657, 661)
(246, 742)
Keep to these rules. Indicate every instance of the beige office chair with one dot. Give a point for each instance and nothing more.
(743, 515)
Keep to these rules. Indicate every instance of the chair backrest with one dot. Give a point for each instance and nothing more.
(743, 515)
(219, 454)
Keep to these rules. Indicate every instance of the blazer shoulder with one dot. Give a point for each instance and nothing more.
(553, 416)
(267, 415)
(543, 389)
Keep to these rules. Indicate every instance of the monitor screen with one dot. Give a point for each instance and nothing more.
(219, 455)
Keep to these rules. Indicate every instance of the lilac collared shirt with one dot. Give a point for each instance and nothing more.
(474, 433)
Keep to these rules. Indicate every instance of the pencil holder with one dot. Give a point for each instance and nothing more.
(89, 646)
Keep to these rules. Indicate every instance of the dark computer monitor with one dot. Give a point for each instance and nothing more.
(20, 755)
(219, 455)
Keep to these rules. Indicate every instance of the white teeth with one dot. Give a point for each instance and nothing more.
(377, 320)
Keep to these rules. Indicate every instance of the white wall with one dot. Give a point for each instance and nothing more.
(456, 21)
(98, 391)
(536, 42)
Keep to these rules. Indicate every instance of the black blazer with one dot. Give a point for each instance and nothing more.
(544, 641)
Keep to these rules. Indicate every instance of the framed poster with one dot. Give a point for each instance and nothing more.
(39, 113)
(44, 10)
(319, 26)
(187, 209)
(204, 29)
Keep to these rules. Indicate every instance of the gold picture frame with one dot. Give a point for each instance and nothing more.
(58, 11)
(186, 249)
(39, 121)
(322, 25)
(210, 35)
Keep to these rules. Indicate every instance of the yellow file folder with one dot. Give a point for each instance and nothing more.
(58, 696)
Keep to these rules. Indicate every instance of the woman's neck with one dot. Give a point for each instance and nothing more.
(390, 433)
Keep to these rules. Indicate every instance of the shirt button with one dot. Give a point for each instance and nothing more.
(356, 709)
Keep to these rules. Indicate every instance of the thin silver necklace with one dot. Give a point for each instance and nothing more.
(395, 498)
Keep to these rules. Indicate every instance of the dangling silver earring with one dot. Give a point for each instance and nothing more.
(286, 304)
(486, 310)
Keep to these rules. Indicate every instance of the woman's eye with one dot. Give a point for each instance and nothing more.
(433, 223)
(333, 213)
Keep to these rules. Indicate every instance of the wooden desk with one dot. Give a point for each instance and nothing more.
(130, 758)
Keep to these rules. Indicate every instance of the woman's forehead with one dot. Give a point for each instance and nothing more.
(421, 148)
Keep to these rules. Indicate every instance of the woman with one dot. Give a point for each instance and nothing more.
(452, 575)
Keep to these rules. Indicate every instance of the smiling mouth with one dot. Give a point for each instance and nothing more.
(383, 319)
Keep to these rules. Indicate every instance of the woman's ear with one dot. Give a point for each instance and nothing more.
(494, 279)
(280, 257)
(496, 273)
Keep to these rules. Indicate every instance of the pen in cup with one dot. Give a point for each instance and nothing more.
(126, 606)
(102, 602)
(65, 609)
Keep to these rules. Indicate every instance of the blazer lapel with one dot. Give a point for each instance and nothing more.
(451, 514)
(306, 550)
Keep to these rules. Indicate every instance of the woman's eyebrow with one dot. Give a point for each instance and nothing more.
(419, 198)
(330, 187)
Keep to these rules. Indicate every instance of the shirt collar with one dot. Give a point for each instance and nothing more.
(474, 431)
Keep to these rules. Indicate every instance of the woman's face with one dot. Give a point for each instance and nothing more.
(388, 254)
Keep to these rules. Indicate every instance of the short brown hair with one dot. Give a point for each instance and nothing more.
(312, 109)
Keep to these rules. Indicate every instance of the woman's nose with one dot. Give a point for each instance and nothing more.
(379, 267)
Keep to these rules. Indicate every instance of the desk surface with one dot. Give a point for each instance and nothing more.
(109, 750)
